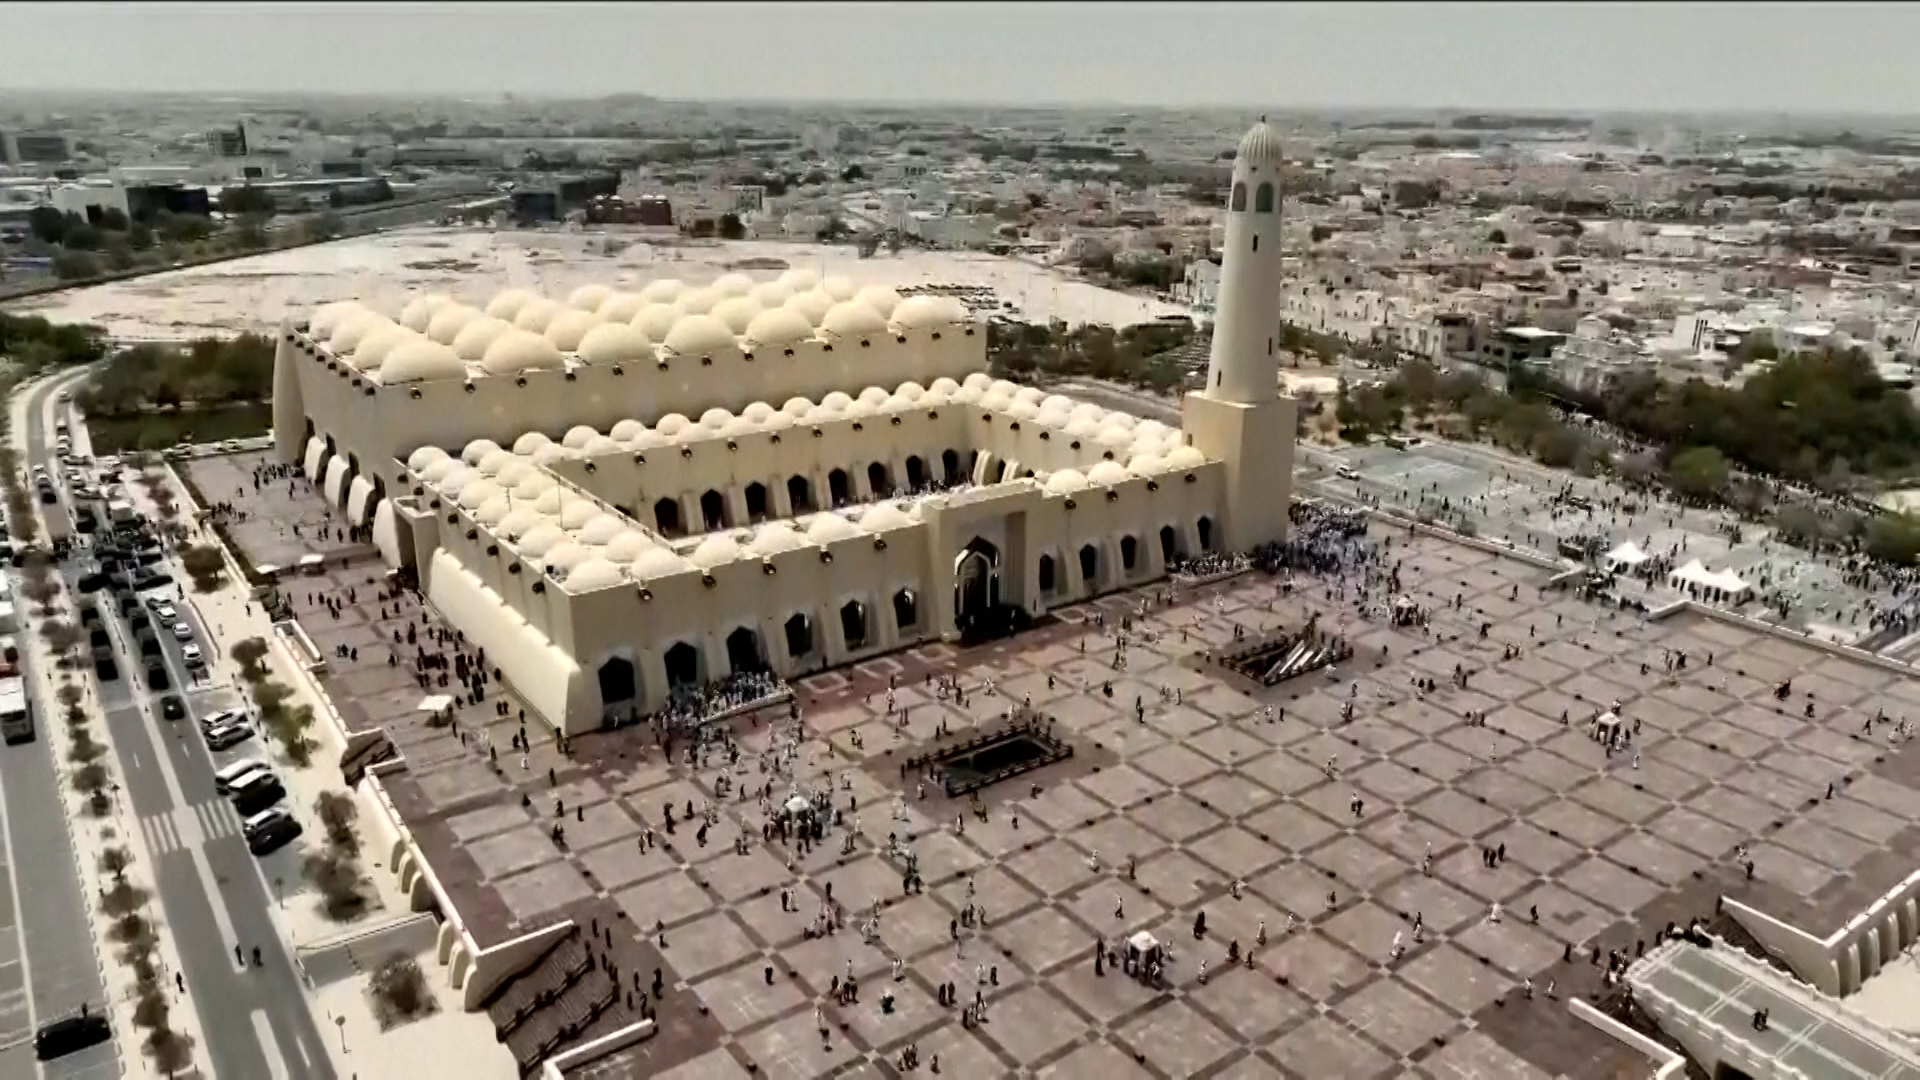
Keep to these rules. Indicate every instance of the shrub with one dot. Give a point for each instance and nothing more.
(115, 861)
(400, 993)
(172, 1051)
(123, 899)
(150, 1011)
(338, 878)
(337, 812)
(90, 779)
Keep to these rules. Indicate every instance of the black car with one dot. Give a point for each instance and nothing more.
(152, 581)
(70, 1035)
(277, 832)
(172, 708)
(149, 645)
(106, 669)
(157, 678)
(138, 620)
(256, 797)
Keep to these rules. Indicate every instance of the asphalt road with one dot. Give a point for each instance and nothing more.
(211, 892)
(48, 964)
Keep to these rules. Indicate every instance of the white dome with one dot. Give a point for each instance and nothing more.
(732, 285)
(874, 397)
(620, 307)
(694, 335)
(1174, 441)
(944, 385)
(1065, 482)
(549, 455)
(658, 562)
(699, 301)
(1261, 146)
(476, 450)
(757, 411)
(671, 425)
(827, 528)
(1023, 410)
(776, 327)
(534, 485)
(513, 472)
(663, 291)
(800, 280)
(1146, 465)
(1185, 457)
(626, 430)
(419, 311)
(566, 555)
(477, 335)
(1107, 474)
(929, 313)
(435, 471)
(540, 539)
(771, 294)
(999, 399)
(628, 546)
(980, 381)
(737, 312)
(880, 298)
(1150, 429)
(841, 289)
(910, 392)
(614, 343)
(885, 517)
(493, 511)
(425, 456)
(519, 350)
(588, 297)
(776, 539)
(1031, 394)
(478, 491)
(836, 403)
(517, 522)
(1082, 428)
(569, 328)
(455, 477)
(715, 419)
(493, 461)
(656, 320)
(848, 321)
(507, 303)
(1119, 421)
(526, 444)
(577, 512)
(375, 349)
(593, 574)
(420, 361)
(447, 322)
(356, 329)
(600, 446)
(577, 437)
(329, 317)
(547, 503)
(536, 314)
(1089, 411)
(812, 306)
(601, 529)
(1057, 403)
(1111, 438)
(715, 551)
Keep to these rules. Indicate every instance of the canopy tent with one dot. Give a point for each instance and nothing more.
(435, 703)
(799, 805)
(311, 562)
(1700, 583)
(1626, 558)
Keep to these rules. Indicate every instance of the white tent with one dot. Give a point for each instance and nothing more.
(1626, 558)
(435, 703)
(1700, 583)
(799, 805)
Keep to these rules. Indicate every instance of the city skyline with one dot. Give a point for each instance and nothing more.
(1589, 58)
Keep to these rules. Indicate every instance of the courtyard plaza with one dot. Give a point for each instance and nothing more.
(1320, 826)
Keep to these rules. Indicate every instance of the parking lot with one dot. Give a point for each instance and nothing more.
(1497, 496)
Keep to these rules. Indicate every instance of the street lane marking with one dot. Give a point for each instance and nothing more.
(19, 924)
(276, 1061)
(177, 798)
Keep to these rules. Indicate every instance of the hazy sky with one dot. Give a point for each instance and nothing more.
(1789, 57)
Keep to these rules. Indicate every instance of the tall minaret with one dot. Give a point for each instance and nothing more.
(1241, 419)
(1244, 366)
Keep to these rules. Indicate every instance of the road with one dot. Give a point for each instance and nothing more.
(49, 966)
(255, 1021)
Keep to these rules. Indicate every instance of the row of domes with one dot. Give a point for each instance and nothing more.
(437, 336)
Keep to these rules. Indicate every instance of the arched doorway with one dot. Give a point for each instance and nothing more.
(666, 517)
(853, 625)
(950, 467)
(1204, 529)
(799, 630)
(1129, 553)
(683, 669)
(878, 481)
(976, 582)
(916, 473)
(996, 472)
(800, 495)
(743, 650)
(1046, 573)
(906, 610)
(1169, 544)
(756, 494)
(713, 510)
(1090, 566)
(618, 683)
(837, 487)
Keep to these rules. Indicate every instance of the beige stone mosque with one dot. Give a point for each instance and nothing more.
(624, 496)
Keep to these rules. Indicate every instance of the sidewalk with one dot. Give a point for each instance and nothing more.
(88, 840)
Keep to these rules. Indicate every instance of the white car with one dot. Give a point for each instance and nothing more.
(230, 775)
(165, 613)
(181, 631)
(191, 654)
(1348, 472)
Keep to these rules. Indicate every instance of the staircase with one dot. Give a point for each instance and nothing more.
(552, 1002)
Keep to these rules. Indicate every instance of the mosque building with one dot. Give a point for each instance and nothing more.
(628, 495)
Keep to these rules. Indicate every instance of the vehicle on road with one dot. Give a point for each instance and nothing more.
(16, 710)
(70, 1035)
(192, 655)
(269, 830)
(229, 735)
(221, 719)
(105, 669)
(165, 612)
(157, 679)
(182, 632)
(63, 397)
(259, 791)
(227, 776)
(172, 708)
(1347, 472)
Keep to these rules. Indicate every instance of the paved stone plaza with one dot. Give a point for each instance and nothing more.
(1200, 793)
(280, 526)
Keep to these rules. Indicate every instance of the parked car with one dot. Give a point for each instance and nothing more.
(257, 792)
(228, 735)
(182, 632)
(157, 679)
(192, 655)
(71, 1034)
(225, 777)
(269, 830)
(221, 719)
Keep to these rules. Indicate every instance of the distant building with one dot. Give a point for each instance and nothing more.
(228, 142)
(42, 148)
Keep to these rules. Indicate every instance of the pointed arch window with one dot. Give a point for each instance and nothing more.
(1239, 197)
(1263, 199)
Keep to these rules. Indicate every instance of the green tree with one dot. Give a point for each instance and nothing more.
(731, 227)
(140, 237)
(114, 219)
(1699, 471)
(47, 224)
(1894, 538)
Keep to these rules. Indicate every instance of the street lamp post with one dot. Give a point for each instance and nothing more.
(341, 1023)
